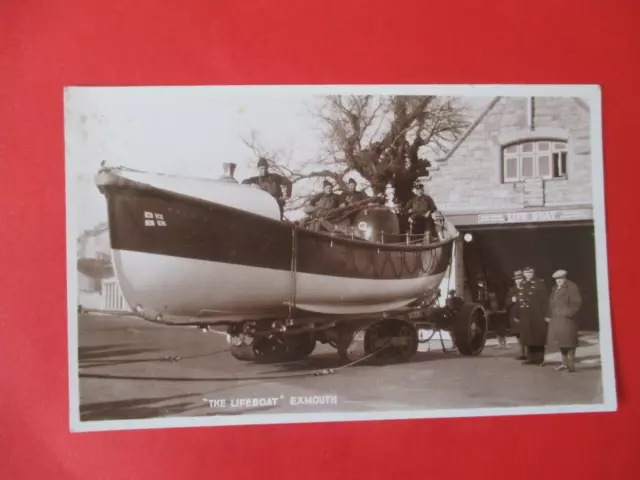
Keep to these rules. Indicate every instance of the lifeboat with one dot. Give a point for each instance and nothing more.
(193, 247)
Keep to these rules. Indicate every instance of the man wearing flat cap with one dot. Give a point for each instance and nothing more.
(564, 302)
(533, 304)
(514, 295)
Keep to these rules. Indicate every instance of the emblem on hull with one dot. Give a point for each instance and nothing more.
(154, 219)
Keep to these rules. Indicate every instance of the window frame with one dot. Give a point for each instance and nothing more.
(557, 158)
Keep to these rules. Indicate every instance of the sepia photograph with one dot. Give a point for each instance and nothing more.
(288, 254)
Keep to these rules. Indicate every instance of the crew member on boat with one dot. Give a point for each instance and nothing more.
(271, 183)
(352, 195)
(319, 205)
(323, 201)
(421, 209)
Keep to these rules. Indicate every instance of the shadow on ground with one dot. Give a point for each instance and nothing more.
(97, 352)
(135, 408)
(109, 355)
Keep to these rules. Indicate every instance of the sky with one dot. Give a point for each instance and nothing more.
(189, 131)
(178, 130)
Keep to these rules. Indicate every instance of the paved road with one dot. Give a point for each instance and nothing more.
(129, 370)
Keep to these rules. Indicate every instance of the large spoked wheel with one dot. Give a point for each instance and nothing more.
(470, 330)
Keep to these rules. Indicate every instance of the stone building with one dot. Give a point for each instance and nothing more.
(518, 186)
(97, 285)
(92, 244)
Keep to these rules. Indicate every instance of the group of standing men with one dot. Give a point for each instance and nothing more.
(541, 319)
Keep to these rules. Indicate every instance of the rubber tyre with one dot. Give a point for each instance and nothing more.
(468, 343)
(304, 346)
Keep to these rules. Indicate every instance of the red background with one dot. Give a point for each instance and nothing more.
(47, 45)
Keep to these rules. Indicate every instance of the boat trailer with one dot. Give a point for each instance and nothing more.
(389, 337)
(386, 337)
(382, 338)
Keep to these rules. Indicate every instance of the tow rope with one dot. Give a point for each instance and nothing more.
(175, 359)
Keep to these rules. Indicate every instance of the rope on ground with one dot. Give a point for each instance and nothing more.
(314, 373)
(329, 371)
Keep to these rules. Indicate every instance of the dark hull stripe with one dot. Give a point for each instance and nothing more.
(165, 224)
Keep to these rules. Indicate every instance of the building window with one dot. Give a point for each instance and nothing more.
(534, 159)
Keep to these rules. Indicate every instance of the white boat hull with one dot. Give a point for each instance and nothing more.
(190, 287)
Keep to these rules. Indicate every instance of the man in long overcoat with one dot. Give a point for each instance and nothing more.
(511, 303)
(533, 305)
(564, 302)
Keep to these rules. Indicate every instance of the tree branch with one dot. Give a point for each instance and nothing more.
(384, 139)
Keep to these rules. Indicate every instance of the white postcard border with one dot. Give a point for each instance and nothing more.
(591, 94)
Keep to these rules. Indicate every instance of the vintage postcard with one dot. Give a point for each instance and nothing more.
(288, 254)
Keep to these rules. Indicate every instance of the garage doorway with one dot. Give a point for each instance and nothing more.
(492, 254)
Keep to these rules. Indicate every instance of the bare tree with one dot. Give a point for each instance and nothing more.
(387, 140)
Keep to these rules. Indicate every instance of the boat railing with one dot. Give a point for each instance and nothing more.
(445, 232)
(333, 222)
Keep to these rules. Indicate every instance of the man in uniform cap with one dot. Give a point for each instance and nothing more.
(323, 201)
(533, 301)
(352, 195)
(271, 183)
(421, 209)
(512, 301)
(564, 302)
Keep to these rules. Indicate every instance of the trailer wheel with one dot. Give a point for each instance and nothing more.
(269, 350)
(301, 346)
(257, 349)
(243, 353)
(272, 349)
(469, 331)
